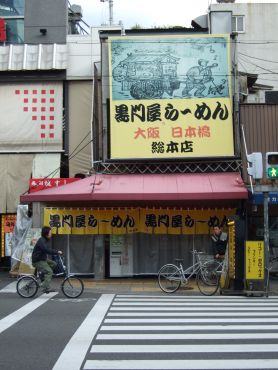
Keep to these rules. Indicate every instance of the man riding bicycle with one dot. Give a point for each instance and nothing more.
(40, 260)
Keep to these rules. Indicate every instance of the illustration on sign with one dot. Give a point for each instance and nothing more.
(169, 68)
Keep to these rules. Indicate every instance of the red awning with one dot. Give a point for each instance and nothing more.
(146, 187)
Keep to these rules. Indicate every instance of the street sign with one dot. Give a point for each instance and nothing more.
(254, 260)
(258, 198)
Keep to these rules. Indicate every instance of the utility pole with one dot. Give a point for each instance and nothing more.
(266, 242)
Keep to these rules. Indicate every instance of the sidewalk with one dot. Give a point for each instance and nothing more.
(113, 285)
(128, 285)
(134, 285)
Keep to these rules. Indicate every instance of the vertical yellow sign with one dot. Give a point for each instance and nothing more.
(254, 260)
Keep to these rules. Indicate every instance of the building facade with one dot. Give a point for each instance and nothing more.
(40, 104)
(166, 164)
(255, 25)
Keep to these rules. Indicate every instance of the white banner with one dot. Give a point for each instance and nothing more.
(31, 116)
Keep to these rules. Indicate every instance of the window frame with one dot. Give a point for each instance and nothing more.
(236, 16)
(7, 14)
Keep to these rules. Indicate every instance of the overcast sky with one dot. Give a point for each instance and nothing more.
(148, 13)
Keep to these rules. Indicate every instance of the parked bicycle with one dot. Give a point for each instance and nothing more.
(273, 268)
(271, 273)
(72, 286)
(206, 270)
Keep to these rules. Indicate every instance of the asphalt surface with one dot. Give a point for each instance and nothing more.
(36, 341)
(131, 324)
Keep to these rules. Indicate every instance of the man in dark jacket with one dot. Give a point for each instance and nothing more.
(219, 242)
(40, 260)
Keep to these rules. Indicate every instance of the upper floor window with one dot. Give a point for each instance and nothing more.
(15, 31)
(12, 8)
(12, 11)
(238, 23)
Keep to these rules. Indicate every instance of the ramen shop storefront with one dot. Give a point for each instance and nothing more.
(128, 225)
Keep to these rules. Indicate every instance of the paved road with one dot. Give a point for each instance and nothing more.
(174, 332)
(34, 332)
(125, 331)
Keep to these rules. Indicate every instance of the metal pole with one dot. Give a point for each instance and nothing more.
(68, 253)
(245, 148)
(111, 21)
(236, 96)
(266, 243)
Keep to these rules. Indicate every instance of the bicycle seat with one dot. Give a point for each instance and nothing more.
(179, 260)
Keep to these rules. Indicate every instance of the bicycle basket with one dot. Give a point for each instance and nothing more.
(59, 269)
(204, 257)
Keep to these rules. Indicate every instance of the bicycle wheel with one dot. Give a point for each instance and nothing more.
(273, 275)
(169, 278)
(27, 286)
(72, 287)
(208, 281)
(210, 272)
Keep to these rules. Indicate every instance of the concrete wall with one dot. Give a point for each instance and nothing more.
(80, 57)
(261, 28)
(51, 15)
(80, 126)
(83, 52)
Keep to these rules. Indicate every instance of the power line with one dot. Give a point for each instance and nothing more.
(180, 39)
(258, 66)
(71, 156)
(264, 60)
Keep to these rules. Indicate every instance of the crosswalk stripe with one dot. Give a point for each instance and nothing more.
(10, 288)
(186, 327)
(196, 298)
(191, 320)
(73, 354)
(185, 304)
(167, 299)
(180, 313)
(193, 308)
(190, 336)
(19, 314)
(184, 348)
(156, 364)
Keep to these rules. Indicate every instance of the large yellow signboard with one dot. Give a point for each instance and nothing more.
(254, 260)
(134, 220)
(170, 97)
